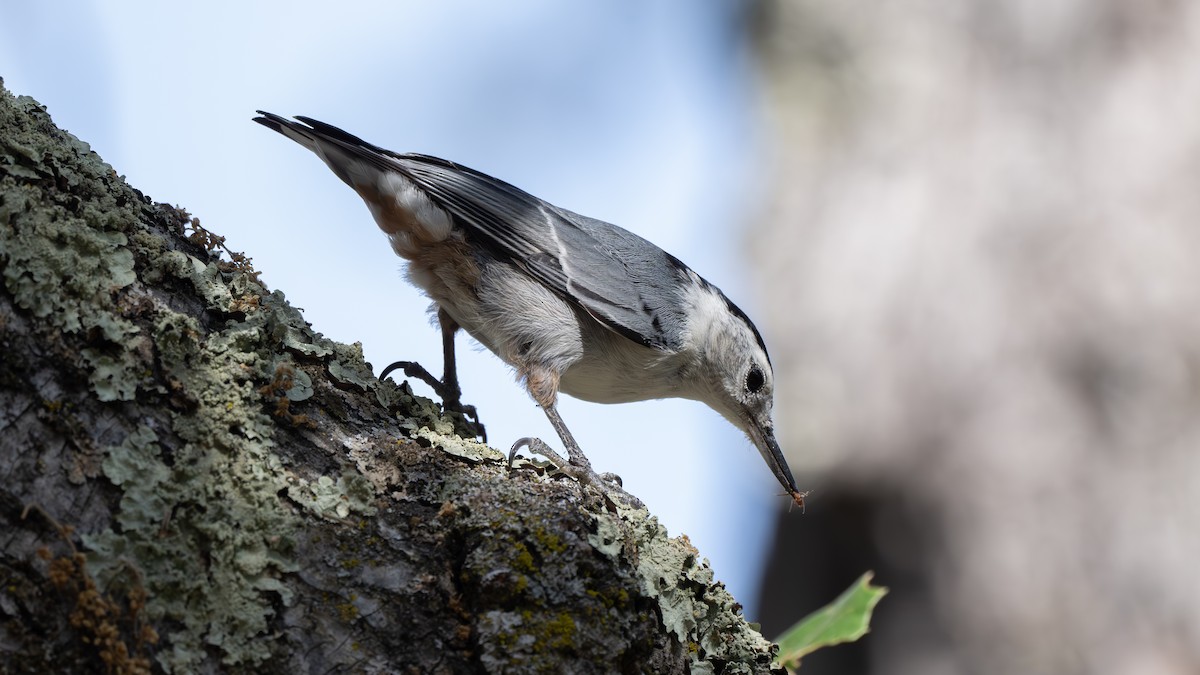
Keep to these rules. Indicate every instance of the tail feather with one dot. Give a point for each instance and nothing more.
(297, 132)
(333, 133)
(402, 209)
(352, 159)
(317, 132)
(343, 152)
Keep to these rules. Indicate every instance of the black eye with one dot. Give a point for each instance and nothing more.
(755, 380)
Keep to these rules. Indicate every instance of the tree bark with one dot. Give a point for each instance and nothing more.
(194, 480)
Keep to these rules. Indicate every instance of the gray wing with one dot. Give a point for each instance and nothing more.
(623, 281)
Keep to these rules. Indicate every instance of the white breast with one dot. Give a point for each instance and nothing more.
(614, 369)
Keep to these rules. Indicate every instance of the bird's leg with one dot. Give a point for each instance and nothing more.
(575, 456)
(450, 390)
(446, 388)
(543, 386)
(451, 393)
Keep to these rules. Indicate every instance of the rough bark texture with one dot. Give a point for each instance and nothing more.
(194, 480)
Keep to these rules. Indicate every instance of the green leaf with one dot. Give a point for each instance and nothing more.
(844, 620)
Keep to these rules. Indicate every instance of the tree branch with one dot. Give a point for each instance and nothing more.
(194, 480)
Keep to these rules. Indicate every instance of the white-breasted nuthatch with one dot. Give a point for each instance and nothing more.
(574, 304)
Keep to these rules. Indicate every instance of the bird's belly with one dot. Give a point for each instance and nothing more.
(617, 370)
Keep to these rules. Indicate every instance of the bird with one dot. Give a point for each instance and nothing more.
(573, 304)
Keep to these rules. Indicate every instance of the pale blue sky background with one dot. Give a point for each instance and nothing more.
(639, 113)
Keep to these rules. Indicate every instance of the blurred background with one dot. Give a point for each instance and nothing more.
(970, 233)
(981, 251)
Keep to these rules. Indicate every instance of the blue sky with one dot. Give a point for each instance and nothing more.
(639, 113)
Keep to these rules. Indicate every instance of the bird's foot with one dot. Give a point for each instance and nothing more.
(579, 468)
(448, 393)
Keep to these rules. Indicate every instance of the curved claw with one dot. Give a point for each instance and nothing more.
(610, 477)
(516, 447)
(472, 416)
(449, 394)
(608, 483)
(537, 446)
(414, 369)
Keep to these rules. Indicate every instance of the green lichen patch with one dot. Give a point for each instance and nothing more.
(302, 387)
(205, 277)
(348, 368)
(527, 637)
(286, 325)
(699, 612)
(65, 268)
(203, 518)
(560, 582)
(544, 597)
(445, 439)
(335, 499)
(418, 411)
(92, 262)
(216, 493)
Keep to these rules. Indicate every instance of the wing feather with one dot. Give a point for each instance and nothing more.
(628, 284)
(622, 280)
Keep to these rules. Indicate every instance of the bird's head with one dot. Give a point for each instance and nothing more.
(734, 375)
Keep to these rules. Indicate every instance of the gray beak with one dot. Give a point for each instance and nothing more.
(763, 436)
